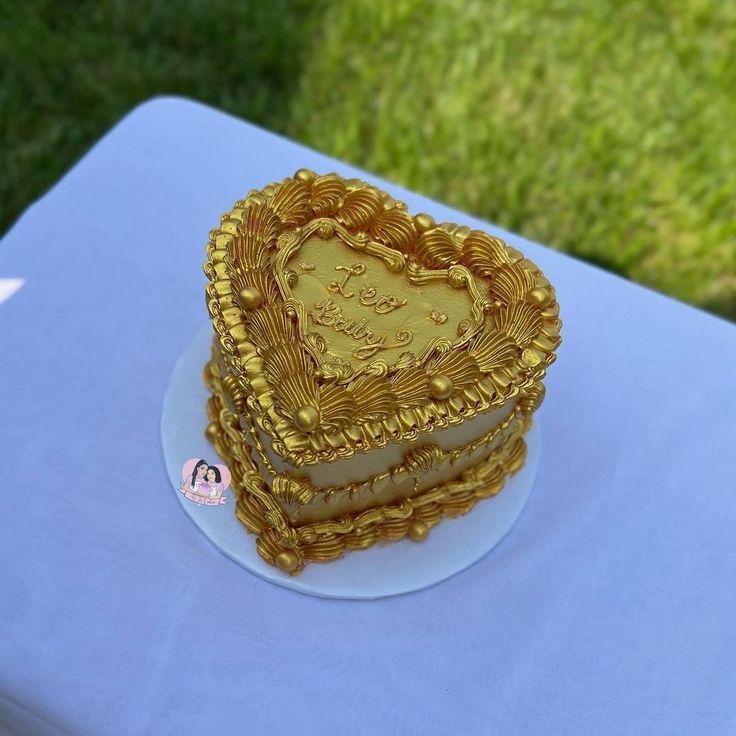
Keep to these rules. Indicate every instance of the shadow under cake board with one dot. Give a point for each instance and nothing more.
(380, 571)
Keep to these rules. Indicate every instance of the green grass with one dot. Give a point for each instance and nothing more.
(605, 129)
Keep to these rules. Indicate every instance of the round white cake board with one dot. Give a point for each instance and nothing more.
(377, 572)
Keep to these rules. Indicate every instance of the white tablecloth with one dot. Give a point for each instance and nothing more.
(609, 609)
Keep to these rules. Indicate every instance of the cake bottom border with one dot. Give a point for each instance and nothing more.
(290, 547)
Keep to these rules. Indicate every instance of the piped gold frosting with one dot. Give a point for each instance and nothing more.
(344, 325)
(498, 348)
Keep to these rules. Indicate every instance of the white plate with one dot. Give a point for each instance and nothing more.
(383, 570)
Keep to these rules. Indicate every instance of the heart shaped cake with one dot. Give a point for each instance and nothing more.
(372, 372)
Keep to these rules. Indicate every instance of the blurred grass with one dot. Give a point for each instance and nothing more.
(604, 129)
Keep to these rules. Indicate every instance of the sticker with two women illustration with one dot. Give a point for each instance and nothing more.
(203, 483)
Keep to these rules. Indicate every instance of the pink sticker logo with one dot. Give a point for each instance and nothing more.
(203, 483)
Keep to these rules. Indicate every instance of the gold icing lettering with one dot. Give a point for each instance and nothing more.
(338, 287)
(381, 304)
(368, 295)
(329, 314)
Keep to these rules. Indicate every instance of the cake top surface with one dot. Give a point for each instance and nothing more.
(369, 315)
(351, 324)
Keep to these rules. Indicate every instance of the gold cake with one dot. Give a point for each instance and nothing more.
(371, 372)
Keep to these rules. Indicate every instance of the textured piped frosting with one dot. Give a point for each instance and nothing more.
(352, 324)
(372, 372)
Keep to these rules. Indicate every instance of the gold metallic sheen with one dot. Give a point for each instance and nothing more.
(291, 547)
(423, 223)
(281, 396)
(440, 387)
(252, 249)
(307, 418)
(418, 531)
(211, 432)
(250, 297)
(305, 175)
(539, 296)
(287, 561)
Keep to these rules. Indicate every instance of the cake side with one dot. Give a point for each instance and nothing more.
(268, 511)
(387, 474)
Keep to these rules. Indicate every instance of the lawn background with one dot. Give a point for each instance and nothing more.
(604, 129)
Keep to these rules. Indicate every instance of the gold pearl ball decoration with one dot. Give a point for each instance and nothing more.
(326, 230)
(287, 560)
(305, 175)
(211, 432)
(250, 297)
(423, 222)
(418, 531)
(539, 297)
(440, 387)
(307, 418)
